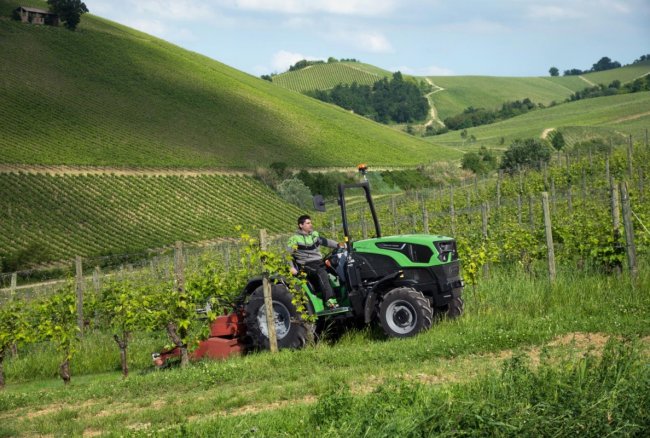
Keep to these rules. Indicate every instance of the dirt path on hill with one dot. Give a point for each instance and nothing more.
(546, 132)
(632, 117)
(587, 81)
(134, 171)
(434, 113)
(122, 171)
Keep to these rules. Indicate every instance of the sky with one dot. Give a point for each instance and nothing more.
(418, 37)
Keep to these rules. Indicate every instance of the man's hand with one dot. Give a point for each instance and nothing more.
(293, 271)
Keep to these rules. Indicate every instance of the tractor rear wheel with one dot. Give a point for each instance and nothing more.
(405, 312)
(291, 332)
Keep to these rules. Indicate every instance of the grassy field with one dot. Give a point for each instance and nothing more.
(488, 92)
(88, 215)
(526, 358)
(109, 95)
(619, 115)
(623, 74)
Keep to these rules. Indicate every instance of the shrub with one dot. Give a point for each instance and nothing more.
(293, 190)
(526, 153)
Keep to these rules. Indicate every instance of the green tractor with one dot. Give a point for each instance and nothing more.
(402, 283)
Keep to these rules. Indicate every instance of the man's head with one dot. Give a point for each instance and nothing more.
(304, 223)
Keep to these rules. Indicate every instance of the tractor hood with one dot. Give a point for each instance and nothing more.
(411, 249)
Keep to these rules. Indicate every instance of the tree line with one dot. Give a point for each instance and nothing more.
(480, 116)
(604, 63)
(615, 87)
(395, 100)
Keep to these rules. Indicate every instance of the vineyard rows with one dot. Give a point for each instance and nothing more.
(89, 215)
(324, 77)
(115, 99)
(581, 210)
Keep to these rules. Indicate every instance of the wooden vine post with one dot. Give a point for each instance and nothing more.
(178, 333)
(268, 299)
(79, 280)
(549, 237)
(425, 218)
(499, 179)
(484, 223)
(629, 231)
(452, 210)
(616, 220)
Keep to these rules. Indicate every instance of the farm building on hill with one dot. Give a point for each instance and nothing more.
(36, 16)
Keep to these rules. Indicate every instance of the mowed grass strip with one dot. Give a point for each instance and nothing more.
(507, 314)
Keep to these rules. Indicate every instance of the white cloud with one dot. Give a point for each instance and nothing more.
(373, 42)
(177, 10)
(475, 26)
(615, 5)
(432, 70)
(340, 7)
(162, 30)
(368, 41)
(553, 12)
(299, 23)
(283, 59)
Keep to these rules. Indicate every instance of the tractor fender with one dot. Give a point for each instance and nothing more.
(254, 283)
(369, 310)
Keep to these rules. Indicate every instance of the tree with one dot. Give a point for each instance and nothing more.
(471, 161)
(526, 153)
(69, 11)
(281, 169)
(479, 163)
(553, 71)
(605, 64)
(557, 140)
(295, 191)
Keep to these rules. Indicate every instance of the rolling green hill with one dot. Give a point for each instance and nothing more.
(460, 92)
(623, 74)
(617, 115)
(109, 95)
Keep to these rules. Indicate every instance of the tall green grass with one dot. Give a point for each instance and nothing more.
(297, 390)
(588, 396)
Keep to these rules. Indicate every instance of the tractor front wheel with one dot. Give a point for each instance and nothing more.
(405, 312)
(291, 332)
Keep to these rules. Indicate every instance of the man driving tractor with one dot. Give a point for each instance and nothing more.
(304, 247)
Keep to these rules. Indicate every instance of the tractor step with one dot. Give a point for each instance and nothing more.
(337, 311)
